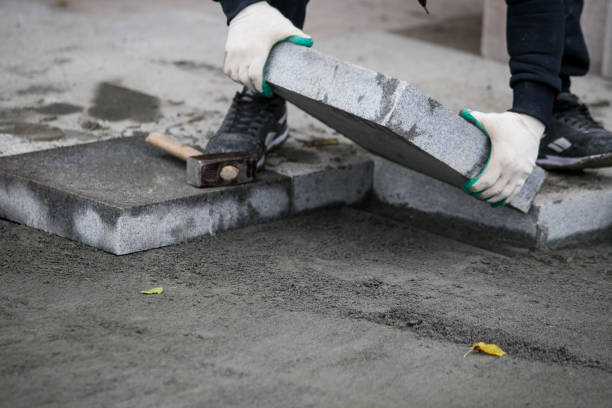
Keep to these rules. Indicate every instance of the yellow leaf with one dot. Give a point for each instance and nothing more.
(154, 291)
(491, 349)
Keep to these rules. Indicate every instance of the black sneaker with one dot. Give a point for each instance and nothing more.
(574, 140)
(254, 124)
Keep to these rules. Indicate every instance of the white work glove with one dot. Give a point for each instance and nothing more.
(252, 34)
(515, 139)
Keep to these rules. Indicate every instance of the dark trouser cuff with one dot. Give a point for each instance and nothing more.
(534, 99)
(566, 82)
(233, 7)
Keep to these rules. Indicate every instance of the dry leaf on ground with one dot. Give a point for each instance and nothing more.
(490, 349)
(154, 291)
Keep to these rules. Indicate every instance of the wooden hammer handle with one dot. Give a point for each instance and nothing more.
(172, 146)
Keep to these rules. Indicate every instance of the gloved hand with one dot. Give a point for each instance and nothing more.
(515, 138)
(252, 34)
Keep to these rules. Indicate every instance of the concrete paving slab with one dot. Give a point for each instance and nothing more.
(386, 116)
(321, 177)
(567, 208)
(124, 196)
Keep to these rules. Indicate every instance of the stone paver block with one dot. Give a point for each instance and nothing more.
(124, 196)
(337, 175)
(566, 209)
(332, 187)
(386, 116)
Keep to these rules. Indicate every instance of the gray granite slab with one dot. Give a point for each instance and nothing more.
(386, 116)
(123, 195)
(568, 208)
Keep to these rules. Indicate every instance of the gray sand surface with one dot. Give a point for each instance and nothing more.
(338, 308)
(334, 308)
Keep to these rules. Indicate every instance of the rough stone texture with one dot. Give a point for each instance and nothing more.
(345, 185)
(386, 116)
(124, 196)
(566, 209)
(569, 206)
(337, 175)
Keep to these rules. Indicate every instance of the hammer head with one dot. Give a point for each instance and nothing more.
(220, 169)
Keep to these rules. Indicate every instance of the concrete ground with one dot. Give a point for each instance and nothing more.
(338, 308)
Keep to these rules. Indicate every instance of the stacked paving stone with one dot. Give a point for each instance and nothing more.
(122, 195)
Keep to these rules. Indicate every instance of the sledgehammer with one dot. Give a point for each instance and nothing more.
(208, 170)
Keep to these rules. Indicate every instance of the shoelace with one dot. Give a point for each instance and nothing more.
(577, 116)
(246, 115)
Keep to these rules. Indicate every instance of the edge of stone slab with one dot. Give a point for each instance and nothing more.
(309, 78)
(116, 230)
(341, 186)
(546, 225)
(119, 230)
(591, 217)
(51, 210)
(185, 218)
(493, 238)
(415, 193)
(484, 236)
(127, 228)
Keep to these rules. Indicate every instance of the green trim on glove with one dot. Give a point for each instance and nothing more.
(303, 41)
(467, 115)
(266, 88)
(499, 203)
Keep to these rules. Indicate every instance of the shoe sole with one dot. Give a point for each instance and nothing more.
(575, 163)
(274, 143)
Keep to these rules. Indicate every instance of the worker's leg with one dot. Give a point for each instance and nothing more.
(254, 123)
(573, 139)
(535, 35)
(294, 10)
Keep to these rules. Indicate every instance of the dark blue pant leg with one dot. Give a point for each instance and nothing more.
(575, 60)
(294, 10)
(546, 46)
(535, 36)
